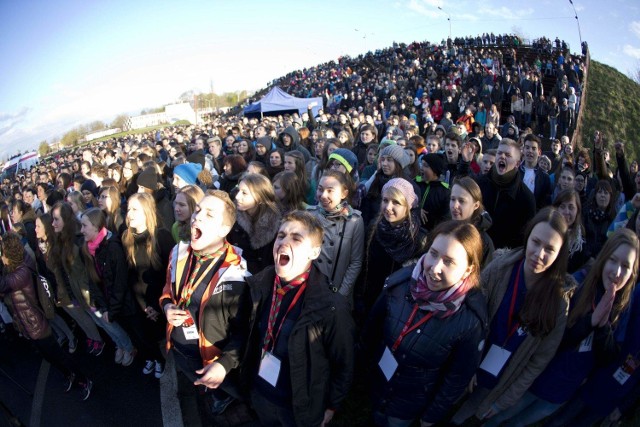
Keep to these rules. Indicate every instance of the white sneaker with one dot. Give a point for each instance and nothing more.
(159, 369)
(128, 357)
(149, 366)
(119, 355)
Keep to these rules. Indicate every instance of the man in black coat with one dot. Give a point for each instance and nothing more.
(509, 202)
(536, 180)
(299, 360)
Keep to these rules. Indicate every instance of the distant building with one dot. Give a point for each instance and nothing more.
(172, 113)
(99, 134)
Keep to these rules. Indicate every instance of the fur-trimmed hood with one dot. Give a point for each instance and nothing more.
(263, 231)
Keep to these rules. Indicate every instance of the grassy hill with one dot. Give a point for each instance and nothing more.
(612, 107)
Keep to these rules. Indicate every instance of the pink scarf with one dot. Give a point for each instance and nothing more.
(92, 246)
(443, 303)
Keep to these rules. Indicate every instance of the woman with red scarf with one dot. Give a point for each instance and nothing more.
(433, 318)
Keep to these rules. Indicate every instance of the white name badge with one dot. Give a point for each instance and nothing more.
(586, 344)
(627, 369)
(190, 333)
(388, 363)
(269, 368)
(495, 360)
(621, 376)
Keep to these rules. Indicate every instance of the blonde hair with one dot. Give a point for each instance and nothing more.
(148, 205)
(113, 215)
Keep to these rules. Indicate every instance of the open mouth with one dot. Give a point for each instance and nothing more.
(196, 233)
(283, 260)
(432, 282)
(501, 166)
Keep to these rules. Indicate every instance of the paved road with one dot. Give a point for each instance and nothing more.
(32, 391)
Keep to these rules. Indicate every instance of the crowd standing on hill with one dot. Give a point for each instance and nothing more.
(410, 226)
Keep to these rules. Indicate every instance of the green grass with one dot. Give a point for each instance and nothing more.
(612, 107)
(128, 132)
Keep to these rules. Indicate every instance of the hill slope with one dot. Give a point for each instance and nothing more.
(613, 107)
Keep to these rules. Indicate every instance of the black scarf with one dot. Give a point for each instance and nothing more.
(597, 214)
(505, 180)
(399, 241)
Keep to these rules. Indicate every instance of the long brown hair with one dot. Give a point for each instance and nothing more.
(469, 237)
(469, 185)
(583, 305)
(193, 195)
(62, 248)
(148, 205)
(540, 310)
(262, 191)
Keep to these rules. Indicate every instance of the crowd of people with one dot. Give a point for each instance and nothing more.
(406, 237)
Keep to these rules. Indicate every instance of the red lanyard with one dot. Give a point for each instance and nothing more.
(514, 296)
(407, 329)
(271, 338)
(191, 285)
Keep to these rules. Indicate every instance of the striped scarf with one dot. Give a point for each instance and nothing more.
(443, 303)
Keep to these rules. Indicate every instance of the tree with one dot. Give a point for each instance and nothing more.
(70, 138)
(44, 148)
(120, 121)
(635, 73)
(96, 126)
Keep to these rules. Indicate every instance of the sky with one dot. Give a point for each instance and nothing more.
(66, 63)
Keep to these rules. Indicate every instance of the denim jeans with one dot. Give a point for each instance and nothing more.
(115, 331)
(552, 127)
(61, 329)
(85, 321)
(528, 410)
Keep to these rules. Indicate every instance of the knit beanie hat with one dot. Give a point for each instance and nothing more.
(346, 158)
(148, 178)
(436, 163)
(265, 141)
(397, 153)
(89, 185)
(405, 187)
(188, 172)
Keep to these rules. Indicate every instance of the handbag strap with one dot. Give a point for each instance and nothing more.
(335, 263)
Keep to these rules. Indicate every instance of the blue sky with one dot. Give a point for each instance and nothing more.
(71, 62)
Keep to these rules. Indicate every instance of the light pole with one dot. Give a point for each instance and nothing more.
(449, 19)
(577, 21)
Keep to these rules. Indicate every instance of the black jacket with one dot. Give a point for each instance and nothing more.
(164, 207)
(542, 188)
(320, 346)
(436, 363)
(434, 199)
(510, 208)
(113, 293)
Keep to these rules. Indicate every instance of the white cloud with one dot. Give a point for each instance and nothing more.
(425, 7)
(634, 27)
(579, 7)
(631, 51)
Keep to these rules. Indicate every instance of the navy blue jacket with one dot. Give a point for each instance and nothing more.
(435, 362)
